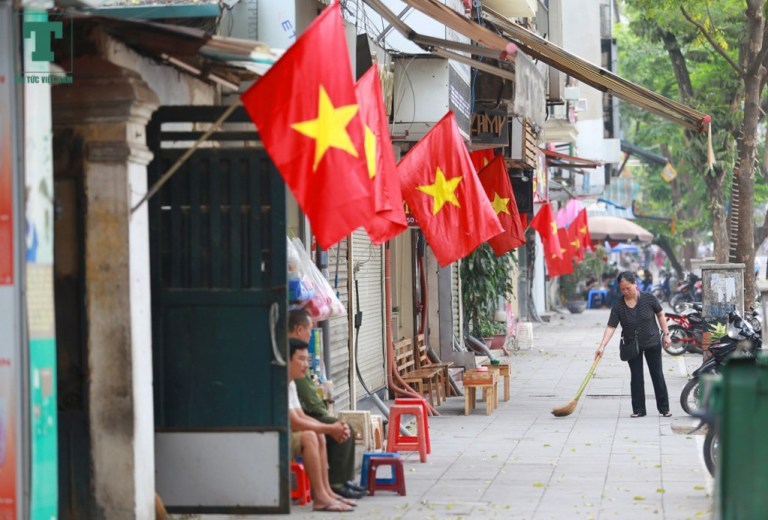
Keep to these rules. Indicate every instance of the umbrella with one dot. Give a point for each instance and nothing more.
(617, 229)
(624, 248)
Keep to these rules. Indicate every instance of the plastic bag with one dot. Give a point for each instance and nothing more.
(309, 284)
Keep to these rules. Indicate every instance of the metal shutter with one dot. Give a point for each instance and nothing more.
(370, 278)
(339, 327)
(456, 309)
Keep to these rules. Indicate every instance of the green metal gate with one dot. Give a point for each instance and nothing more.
(217, 235)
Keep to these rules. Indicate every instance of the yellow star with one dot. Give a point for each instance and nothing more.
(583, 230)
(554, 228)
(370, 151)
(442, 191)
(575, 243)
(329, 129)
(500, 204)
(485, 162)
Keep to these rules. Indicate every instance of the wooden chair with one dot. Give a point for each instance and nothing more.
(423, 361)
(424, 380)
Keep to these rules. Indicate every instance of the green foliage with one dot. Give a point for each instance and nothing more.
(484, 278)
(571, 285)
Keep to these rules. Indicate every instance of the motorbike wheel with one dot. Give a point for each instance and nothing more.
(678, 302)
(689, 397)
(677, 336)
(711, 442)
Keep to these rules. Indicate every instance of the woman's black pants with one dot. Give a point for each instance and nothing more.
(637, 385)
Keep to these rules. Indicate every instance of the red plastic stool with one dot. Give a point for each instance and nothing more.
(397, 442)
(302, 491)
(423, 403)
(398, 473)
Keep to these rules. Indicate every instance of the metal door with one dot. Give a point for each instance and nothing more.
(218, 256)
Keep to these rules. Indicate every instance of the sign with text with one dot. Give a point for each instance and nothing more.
(489, 126)
(48, 38)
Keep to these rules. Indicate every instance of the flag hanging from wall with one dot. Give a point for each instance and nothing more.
(307, 114)
(443, 192)
(544, 224)
(389, 218)
(495, 181)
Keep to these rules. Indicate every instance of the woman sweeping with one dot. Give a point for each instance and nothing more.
(636, 311)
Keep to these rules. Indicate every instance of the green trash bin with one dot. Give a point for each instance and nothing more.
(742, 477)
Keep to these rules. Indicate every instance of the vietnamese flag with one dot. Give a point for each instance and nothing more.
(444, 194)
(544, 223)
(306, 112)
(481, 158)
(562, 264)
(573, 244)
(389, 219)
(495, 181)
(581, 225)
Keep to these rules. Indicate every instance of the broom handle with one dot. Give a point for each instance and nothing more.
(586, 379)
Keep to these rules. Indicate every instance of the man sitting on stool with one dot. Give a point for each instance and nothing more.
(341, 455)
(308, 437)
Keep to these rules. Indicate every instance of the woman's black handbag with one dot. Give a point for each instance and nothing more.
(629, 349)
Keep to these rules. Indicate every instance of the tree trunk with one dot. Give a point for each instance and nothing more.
(715, 181)
(663, 242)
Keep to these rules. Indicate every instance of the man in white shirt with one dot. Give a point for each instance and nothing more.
(308, 437)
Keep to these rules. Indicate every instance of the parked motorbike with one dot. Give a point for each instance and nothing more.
(740, 339)
(687, 291)
(661, 290)
(686, 332)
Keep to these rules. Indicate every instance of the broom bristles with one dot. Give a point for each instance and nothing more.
(565, 410)
(571, 406)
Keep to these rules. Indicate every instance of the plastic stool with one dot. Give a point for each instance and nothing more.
(302, 491)
(397, 442)
(412, 438)
(366, 465)
(397, 470)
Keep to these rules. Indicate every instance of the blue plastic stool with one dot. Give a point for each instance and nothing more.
(596, 294)
(367, 463)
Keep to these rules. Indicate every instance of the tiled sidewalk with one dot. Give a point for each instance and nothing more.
(523, 463)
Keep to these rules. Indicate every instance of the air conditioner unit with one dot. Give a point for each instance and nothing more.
(513, 8)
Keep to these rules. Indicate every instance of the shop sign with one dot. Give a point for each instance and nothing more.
(489, 126)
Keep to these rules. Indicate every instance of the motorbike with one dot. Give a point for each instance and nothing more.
(741, 339)
(687, 291)
(661, 290)
(686, 332)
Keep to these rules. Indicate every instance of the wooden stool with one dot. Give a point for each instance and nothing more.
(397, 442)
(397, 471)
(488, 381)
(504, 371)
(423, 403)
(367, 463)
(302, 491)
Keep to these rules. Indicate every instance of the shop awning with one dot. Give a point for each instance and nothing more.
(222, 60)
(536, 46)
(562, 160)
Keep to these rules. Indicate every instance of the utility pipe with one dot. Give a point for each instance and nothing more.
(393, 378)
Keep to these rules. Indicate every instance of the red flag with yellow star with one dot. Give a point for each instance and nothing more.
(444, 194)
(581, 226)
(573, 245)
(562, 264)
(308, 119)
(495, 181)
(481, 158)
(544, 223)
(389, 219)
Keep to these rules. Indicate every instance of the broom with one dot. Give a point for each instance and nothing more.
(571, 406)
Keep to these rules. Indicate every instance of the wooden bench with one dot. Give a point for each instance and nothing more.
(424, 380)
(423, 361)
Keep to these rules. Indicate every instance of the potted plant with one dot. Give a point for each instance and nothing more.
(485, 279)
(573, 286)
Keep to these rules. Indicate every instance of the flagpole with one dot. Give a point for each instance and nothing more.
(181, 160)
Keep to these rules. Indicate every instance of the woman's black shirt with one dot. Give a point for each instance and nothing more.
(641, 319)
